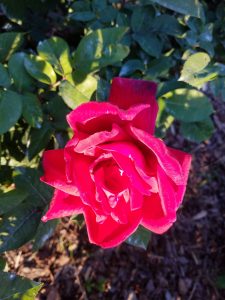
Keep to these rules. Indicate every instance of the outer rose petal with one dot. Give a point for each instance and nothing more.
(185, 162)
(169, 164)
(55, 172)
(167, 191)
(128, 92)
(154, 218)
(63, 205)
(110, 233)
(92, 117)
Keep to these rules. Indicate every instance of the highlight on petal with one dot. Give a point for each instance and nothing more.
(63, 205)
(55, 172)
(128, 92)
(110, 233)
(154, 218)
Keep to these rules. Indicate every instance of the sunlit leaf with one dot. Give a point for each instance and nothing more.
(39, 69)
(100, 49)
(78, 92)
(188, 105)
(193, 70)
(15, 287)
(56, 51)
(9, 43)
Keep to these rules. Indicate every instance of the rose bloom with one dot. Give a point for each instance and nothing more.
(114, 171)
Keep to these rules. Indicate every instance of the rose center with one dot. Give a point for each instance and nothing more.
(112, 179)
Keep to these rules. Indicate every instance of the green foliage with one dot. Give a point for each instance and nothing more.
(193, 70)
(100, 49)
(56, 51)
(10, 109)
(10, 42)
(16, 287)
(140, 238)
(191, 7)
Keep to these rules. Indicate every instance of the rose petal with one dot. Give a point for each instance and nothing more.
(110, 233)
(185, 161)
(63, 205)
(167, 191)
(78, 171)
(153, 215)
(169, 164)
(86, 145)
(128, 92)
(55, 172)
(92, 117)
(127, 155)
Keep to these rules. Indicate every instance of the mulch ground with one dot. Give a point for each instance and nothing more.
(182, 264)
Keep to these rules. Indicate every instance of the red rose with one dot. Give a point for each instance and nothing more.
(113, 170)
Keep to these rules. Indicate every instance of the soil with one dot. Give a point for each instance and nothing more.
(183, 264)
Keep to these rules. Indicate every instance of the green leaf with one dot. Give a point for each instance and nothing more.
(140, 238)
(10, 109)
(81, 5)
(164, 120)
(19, 225)
(141, 17)
(190, 7)
(39, 138)
(192, 71)
(39, 69)
(5, 80)
(11, 199)
(188, 105)
(29, 180)
(100, 49)
(57, 111)
(56, 51)
(77, 93)
(167, 24)
(220, 281)
(131, 66)
(9, 43)
(44, 232)
(197, 131)
(2, 263)
(149, 42)
(15, 287)
(159, 67)
(99, 5)
(102, 92)
(168, 86)
(22, 80)
(83, 16)
(217, 87)
(32, 111)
